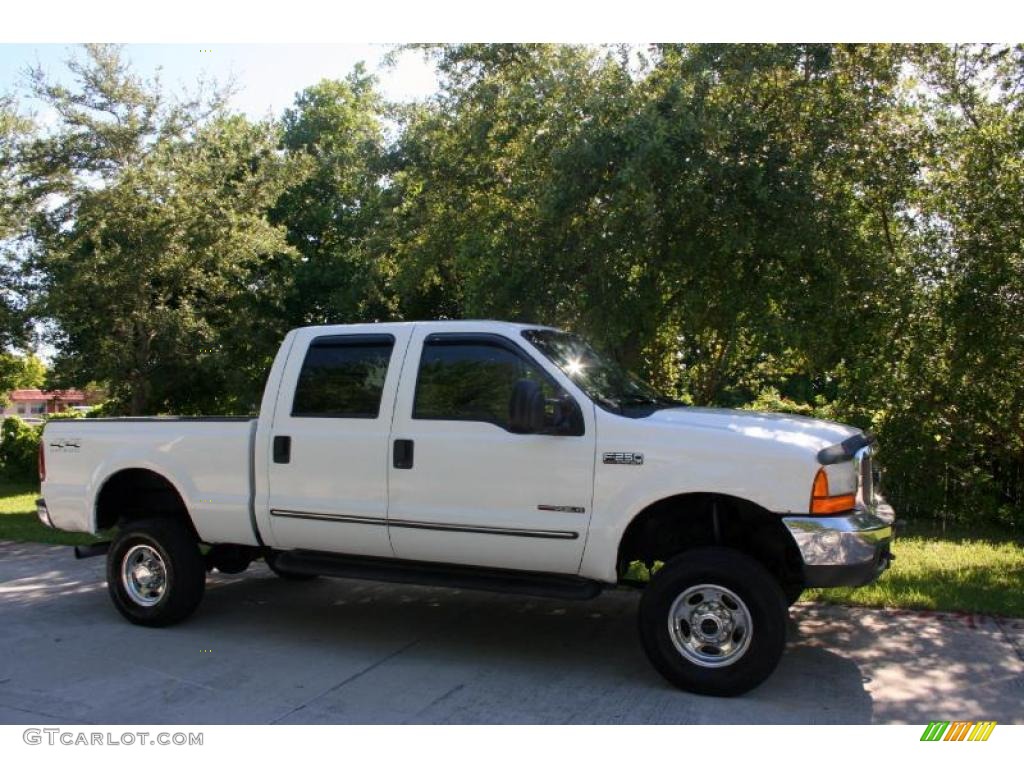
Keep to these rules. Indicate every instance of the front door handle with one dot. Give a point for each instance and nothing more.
(282, 449)
(402, 454)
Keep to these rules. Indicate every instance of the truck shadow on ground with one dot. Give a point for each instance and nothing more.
(437, 655)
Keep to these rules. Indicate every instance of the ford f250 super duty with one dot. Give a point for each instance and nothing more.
(484, 455)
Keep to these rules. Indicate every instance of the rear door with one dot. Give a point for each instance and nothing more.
(327, 469)
(463, 487)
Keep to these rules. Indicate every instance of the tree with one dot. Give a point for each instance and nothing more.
(158, 269)
(953, 403)
(20, 372)
(832, 230)
(333, 216)
(472, 232)
(701, 213)
(14, 132)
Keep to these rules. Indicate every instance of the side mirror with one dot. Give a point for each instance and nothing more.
(526, 407)
(566, 418)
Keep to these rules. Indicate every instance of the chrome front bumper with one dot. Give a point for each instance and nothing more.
(844, 550)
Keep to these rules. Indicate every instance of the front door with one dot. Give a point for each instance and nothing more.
(329, 446)
(463, 487)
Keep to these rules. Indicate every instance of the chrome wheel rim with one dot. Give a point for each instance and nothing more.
(144, 575)
(710, 625)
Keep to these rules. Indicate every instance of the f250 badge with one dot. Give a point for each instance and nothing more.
(623, 458)
(66, 445)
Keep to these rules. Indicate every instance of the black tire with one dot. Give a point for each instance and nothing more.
(792, 593)
(758, 592)
(183, 565)
(287, 575)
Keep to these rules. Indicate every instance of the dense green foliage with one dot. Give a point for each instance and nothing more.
(19, 449)
(834, 230)
(19, 446)
(158, 265)
(20, 372)
(15, 131)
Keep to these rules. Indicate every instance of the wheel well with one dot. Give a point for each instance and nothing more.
(135, 494)
(678, 523)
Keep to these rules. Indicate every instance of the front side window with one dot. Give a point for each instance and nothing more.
(607, 384)
(343, 377)
(471, 380)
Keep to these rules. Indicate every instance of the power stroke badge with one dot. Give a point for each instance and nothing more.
(623, 457)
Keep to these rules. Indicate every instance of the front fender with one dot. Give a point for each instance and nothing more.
(610, 522)
(772, 475)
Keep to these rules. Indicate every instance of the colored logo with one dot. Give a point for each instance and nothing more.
(958, 730)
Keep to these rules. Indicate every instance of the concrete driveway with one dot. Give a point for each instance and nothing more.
(264, 650)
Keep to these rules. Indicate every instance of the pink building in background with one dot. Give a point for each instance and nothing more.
(36, 402)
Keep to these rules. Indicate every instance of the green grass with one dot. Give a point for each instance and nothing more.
(956, 570)
(18, 521)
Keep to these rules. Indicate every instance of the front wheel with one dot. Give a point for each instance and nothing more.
(713, 621)
(792, 593)
(156, 574)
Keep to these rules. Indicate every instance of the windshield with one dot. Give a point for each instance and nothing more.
(605, 382)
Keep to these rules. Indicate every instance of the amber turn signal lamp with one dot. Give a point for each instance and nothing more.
(822, 503)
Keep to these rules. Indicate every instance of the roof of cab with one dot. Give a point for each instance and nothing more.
(440, 324)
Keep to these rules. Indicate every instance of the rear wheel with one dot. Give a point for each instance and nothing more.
(712, 621)
(156, 574)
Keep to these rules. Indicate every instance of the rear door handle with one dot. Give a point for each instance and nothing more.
(402, 454)
(282, 449)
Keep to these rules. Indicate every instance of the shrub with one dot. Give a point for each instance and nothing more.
(19, 449)
(68, 414)
(19, 446)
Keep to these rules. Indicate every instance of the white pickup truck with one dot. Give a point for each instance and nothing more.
(484, 455)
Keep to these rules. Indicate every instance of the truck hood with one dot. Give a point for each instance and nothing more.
(813, 434)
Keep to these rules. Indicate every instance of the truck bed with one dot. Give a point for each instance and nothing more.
(207, 459)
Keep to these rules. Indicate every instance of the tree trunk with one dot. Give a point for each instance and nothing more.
(140, 396)
(140, 382)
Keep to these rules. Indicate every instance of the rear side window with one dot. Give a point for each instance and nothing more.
(471, 381)
(343, 377)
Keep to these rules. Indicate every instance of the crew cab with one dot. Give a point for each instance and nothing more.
(487, 455)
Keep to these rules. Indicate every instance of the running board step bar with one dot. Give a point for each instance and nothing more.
(438, 575)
